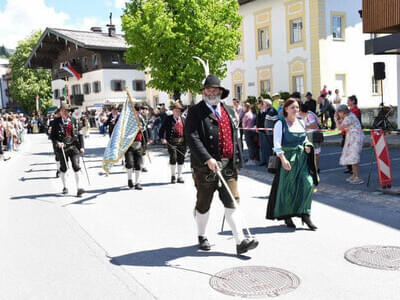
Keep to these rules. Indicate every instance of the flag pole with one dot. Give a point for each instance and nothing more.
(37, 104)
(137, 118)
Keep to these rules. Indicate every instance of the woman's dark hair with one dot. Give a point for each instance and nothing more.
(295, 95)
(303, 107)
(354, 99)
(287, 103)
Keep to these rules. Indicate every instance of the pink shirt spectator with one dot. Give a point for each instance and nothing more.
(249, 120)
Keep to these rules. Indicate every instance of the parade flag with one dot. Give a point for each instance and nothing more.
(123, 135)
(71, 70)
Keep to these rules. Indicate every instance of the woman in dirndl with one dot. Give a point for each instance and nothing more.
(293, 184)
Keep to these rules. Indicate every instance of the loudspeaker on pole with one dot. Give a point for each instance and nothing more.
(379, 71)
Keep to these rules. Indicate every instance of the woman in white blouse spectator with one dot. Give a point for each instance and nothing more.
(353, 144)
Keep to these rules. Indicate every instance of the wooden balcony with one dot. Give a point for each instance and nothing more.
(381, 16)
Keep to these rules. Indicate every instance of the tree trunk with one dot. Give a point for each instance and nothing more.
(177, 95)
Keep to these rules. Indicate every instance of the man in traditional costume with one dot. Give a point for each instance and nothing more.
(66, 135)
(212, 136)
(134, 154)
(171, 133)
(51, 125)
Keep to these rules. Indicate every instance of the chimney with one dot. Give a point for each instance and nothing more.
(111, 27)
(96, 29)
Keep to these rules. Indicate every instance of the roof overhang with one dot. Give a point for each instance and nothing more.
(241, 2)
(51, 43)
(384, 45)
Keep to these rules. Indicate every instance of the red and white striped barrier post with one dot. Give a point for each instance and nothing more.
(382, 158)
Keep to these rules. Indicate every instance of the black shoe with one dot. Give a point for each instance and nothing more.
(6, 158)
(57, 174)
(180, 180)
(246, 245)
(65, 191)
(307, 220)
(348, 172)
(138, 186)
(289, 223)
(80, 192)
(173, 179)
(204, 244)
(144, 170)
(130, 183)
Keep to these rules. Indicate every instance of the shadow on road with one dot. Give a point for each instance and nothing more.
(161, 257)
(42, 170)
(43, 164)
(35, 178)
(37, 197)
(97, 193)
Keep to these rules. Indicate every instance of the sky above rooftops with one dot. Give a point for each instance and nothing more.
(19, 18)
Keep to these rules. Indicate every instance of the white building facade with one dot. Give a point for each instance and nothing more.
(103, 87)
(302, 45)
(3, 83)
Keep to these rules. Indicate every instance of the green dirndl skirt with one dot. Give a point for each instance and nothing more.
(291, 192)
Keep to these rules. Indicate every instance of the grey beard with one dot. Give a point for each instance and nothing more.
(212, 100)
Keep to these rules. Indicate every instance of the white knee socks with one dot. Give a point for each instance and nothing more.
(233, 219)
(78, 179)
(129, 172)
(201, 220)
(137, 175)
(62, 176)
(173, 170)
(180, 168)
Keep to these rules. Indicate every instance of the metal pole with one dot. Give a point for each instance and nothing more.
(370, 168)
(225, 184)
(84, 165)
(65, 158)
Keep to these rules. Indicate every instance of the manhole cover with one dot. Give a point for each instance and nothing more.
(378, 257)
(254, 282)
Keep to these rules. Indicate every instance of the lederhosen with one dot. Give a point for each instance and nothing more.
(134, 154)
(51, 125)
(173, 131)
(209, 136)
(67, 132)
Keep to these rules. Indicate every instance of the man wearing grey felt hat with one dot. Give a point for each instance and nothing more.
(212, 136)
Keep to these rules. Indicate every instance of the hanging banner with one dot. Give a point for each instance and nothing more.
(382, 157)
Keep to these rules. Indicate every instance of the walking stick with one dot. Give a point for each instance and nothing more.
(65, 158)
(223, 223)
(148, 156)
(84, 165)
(225, 184)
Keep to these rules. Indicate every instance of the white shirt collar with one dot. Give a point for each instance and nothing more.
(218, 109)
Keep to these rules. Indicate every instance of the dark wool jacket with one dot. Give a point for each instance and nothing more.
(167, 128)
(201, 135)
(58, 133)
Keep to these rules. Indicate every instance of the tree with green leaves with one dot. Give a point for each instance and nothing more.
(3, 52)
(27, 83)
(164, 35)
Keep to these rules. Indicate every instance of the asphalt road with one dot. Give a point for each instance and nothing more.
(116, 243)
